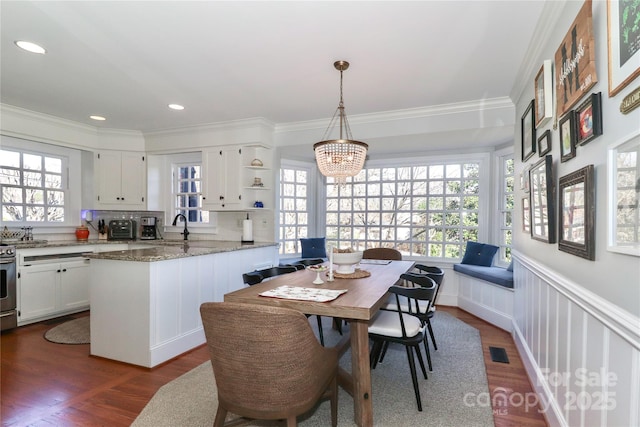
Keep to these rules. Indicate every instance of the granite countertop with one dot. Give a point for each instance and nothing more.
(158, 250)
(174, 250)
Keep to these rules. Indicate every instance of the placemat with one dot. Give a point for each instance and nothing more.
(358, 274)
(304, 294)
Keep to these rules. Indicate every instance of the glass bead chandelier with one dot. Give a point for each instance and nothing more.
(342, 157)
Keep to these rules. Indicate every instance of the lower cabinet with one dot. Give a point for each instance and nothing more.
(52, 289)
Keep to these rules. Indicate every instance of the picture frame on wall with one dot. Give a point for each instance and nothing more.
(543, 205)
(528, 131)
(576, 213)
(544, 143)
(544, 93)
(575, 61)
(567, 137)
(588, 117)
(624, 39)
(526, 224)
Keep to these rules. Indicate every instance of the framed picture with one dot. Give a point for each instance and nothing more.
(543, 217)
(567, 137)
(576, 213)
(526, 223)
(575, 61)
(544, 143)
(588, 118)
(623, 196)
(624, 41)
(544, 94)
(528, 132)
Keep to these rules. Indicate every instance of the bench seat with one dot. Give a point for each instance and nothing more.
(498, 275)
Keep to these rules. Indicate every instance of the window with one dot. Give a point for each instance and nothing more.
(34, 187)
(296, 199)
(505, 206)
(187, 191)
(426, 210)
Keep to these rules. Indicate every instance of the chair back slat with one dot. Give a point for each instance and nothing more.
(382, 253)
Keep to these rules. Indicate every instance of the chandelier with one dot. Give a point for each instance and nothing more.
(342, 157)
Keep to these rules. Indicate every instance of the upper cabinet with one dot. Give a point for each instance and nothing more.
(237, 178)
(121, 179)
(221, 187)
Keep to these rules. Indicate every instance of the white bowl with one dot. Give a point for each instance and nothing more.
(346, 261)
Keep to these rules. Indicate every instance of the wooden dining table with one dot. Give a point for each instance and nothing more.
(358, 305)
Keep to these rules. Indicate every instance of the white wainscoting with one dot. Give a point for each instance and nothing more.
(488, 301)
(581, 352)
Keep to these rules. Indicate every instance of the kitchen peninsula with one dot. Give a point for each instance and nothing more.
(145, 302)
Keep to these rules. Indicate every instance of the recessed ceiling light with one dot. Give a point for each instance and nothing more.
(30, 47)
(176, 107)
(99, 118)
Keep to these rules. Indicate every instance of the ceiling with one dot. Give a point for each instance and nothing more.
(237, 60)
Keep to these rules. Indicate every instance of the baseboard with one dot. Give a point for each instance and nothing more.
(548, 403)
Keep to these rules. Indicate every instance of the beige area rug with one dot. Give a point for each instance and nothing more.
(76, 331)
(449, 397)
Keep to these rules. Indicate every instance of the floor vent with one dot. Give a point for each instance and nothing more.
(498, 354)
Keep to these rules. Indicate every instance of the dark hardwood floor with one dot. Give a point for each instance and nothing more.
(46, 384)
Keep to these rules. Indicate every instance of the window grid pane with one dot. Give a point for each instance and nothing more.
(434, 221)
(33, 188)
(187, 192)
(294, 209)
(506, 207)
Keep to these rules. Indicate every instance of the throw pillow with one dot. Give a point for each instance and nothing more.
(510, 268)
(479, 254)
(314, 247)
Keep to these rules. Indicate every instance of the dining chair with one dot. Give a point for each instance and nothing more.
(403, 327)
(267, 363)
(419, 308)
(304, 263)
(382, 253)
(437, 274)
(258, 276)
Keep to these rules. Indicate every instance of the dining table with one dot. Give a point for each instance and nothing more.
(358, 305)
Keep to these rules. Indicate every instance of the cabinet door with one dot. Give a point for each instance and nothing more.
(109, 166)
(133, 177)
(74, 285)
(37, 291)
(222, 186)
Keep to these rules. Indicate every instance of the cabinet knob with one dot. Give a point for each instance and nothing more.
(64, 269)
(221, 197)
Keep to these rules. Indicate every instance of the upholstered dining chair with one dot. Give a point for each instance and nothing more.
(267, 362)
(257, 276)
(403, 327)
(382, 253)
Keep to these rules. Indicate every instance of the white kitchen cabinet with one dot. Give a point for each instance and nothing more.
(222, 189)
(52, 282)
(121, 179)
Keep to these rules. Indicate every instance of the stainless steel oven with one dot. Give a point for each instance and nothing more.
(8, 300)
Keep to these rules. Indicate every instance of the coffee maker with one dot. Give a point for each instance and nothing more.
(149, 230)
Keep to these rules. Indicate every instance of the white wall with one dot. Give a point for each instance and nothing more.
(572, 313)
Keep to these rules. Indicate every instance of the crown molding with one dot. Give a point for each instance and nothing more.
(404, 114)
(217, 126)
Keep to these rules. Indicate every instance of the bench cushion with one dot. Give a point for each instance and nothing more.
(498, 275)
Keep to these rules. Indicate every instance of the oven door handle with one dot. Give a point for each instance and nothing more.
(7, 261)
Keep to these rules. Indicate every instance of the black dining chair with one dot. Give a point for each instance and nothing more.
(437, 274)
(258, 276)
(404, 327)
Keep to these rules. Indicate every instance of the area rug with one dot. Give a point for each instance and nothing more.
(76, 331)
(450, 397)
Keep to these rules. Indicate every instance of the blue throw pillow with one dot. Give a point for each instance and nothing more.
(313, 247)
(479, 254)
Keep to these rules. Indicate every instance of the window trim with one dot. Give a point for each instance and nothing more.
(72, 176)
(500, 156)
(484, 196)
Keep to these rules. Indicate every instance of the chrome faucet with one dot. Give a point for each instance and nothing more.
(185, 232)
